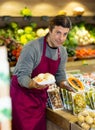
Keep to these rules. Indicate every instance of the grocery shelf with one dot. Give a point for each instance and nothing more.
(42, 21)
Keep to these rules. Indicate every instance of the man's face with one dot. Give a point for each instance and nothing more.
(58, 35)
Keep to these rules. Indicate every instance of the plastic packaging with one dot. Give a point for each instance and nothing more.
(5, 100)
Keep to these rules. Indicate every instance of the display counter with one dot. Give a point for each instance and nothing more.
(84, 65)
(61, 120)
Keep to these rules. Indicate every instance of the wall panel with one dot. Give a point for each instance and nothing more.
(45, 7)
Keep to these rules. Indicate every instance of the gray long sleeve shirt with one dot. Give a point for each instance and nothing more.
(30, 57)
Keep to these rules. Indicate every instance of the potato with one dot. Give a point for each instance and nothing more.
(85, 113)
(81, 118)
(85, 126)
(92, 114)
(89, 119)
(79, 123)
(94, 121)
(93, 126)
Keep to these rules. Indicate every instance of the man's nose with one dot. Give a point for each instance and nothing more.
(62, 37)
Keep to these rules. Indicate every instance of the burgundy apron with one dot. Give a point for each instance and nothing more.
(29, 105)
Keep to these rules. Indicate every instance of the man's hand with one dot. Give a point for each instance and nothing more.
(33, 84)
(65, 85)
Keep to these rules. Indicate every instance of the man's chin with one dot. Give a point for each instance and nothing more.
(58, 45)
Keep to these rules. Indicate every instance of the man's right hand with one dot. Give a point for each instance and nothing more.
(33, 84)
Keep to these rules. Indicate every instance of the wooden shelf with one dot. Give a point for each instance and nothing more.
(61, 120)
(42, 21)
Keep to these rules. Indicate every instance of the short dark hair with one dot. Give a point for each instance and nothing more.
(60, 20)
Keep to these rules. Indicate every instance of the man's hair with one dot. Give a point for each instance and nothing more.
(60, 20)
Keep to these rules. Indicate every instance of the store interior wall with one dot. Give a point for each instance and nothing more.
(46, 7)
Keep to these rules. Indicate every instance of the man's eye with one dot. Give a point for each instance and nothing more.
(58, 32)
(65, 34)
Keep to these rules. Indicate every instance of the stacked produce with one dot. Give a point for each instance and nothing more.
(15, 37)
(67, 99)
(80, 34)
(74, 102)
(86, 119)
(22, 34)
(78, 11)
(82, 101)
(85, 53)
(83, 96)
(90, 98)
(26, 12)
(54, 99)
(13, 49)
(82, 106)
(83, 36)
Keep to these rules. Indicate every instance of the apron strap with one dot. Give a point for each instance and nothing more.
(44, 48)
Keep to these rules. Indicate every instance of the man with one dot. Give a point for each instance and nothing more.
(43, 55)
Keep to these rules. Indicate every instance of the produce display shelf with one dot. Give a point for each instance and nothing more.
(61, 120)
